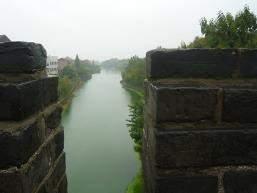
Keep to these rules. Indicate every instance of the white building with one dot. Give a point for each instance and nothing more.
(52, 66)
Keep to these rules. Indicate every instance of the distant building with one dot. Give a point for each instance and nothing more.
(4, 38)
(52, 66)
(63, 62)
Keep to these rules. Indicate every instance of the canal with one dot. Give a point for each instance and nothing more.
(99, 151)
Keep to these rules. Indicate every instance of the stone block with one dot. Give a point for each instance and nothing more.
(248, 67)
(240, 105)
(182, 104)
(191, 63)
(28, 177)
(22, 57)
(21, 77)
(55, 179)
(147, 173)
(205, 147)
(53, 117)
(18, 141)
(50, 90)
(179, 181)
(240, 182)
(19, 101)
(187, 184)
(63, 185)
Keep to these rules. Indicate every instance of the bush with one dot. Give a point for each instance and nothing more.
(65, 87)
(136, 186)
(134, 73)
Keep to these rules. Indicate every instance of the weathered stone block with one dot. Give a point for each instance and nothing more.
(53, 117)
(160, 181)
(63, 185)
(204, 148)
(193, 63)
(21, 57)
(50, 90)
(24, 77)
(28, 177)
(147, 173)
(182, 104)
(240, 105)
(187, 184)
(18, 141)
(240, 182)
(248, 66)
(21, 100)
(54, 179)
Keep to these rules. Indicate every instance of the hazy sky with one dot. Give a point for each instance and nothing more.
(102, 29)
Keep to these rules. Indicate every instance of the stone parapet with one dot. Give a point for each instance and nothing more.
(200, 127)
(201, 63)
(31, 137)
(22, 57)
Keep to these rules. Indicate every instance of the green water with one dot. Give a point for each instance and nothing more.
(99, 151)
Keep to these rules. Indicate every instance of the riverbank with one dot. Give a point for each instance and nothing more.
(66, 101)
(137, 101)
(135, 90)
(96, 143)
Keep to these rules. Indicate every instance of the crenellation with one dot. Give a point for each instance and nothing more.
(200, 127)
(21, 100)
(201, 63)
(31, 135)
(22, 57)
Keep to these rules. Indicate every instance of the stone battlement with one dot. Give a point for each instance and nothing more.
(31, 137)
(200, 128)
(201, 63)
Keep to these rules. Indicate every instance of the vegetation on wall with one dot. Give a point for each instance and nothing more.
(227, 31)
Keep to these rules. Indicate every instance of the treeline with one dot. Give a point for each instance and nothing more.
(72, 75)
(227, 31)
(115, 64)
(132, 78)
(134, 74)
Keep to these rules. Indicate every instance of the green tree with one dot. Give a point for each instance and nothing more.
(134, 73)
(65, 87)
(228, 31)
(69, 72)
(77, 62)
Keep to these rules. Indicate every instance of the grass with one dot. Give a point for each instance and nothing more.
(137, 184)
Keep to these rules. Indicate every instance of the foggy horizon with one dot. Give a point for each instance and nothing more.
(104, 29)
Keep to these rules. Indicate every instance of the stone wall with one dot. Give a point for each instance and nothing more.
(200, 131)
(31, 138)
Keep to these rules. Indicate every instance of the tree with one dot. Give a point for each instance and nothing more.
(70, 72)
(65, 87)
(134, 73)
(228, 31)
(77, 62)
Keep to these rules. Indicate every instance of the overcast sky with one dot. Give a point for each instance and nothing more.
(102, 29)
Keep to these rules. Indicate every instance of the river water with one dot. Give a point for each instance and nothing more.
(99, 151)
